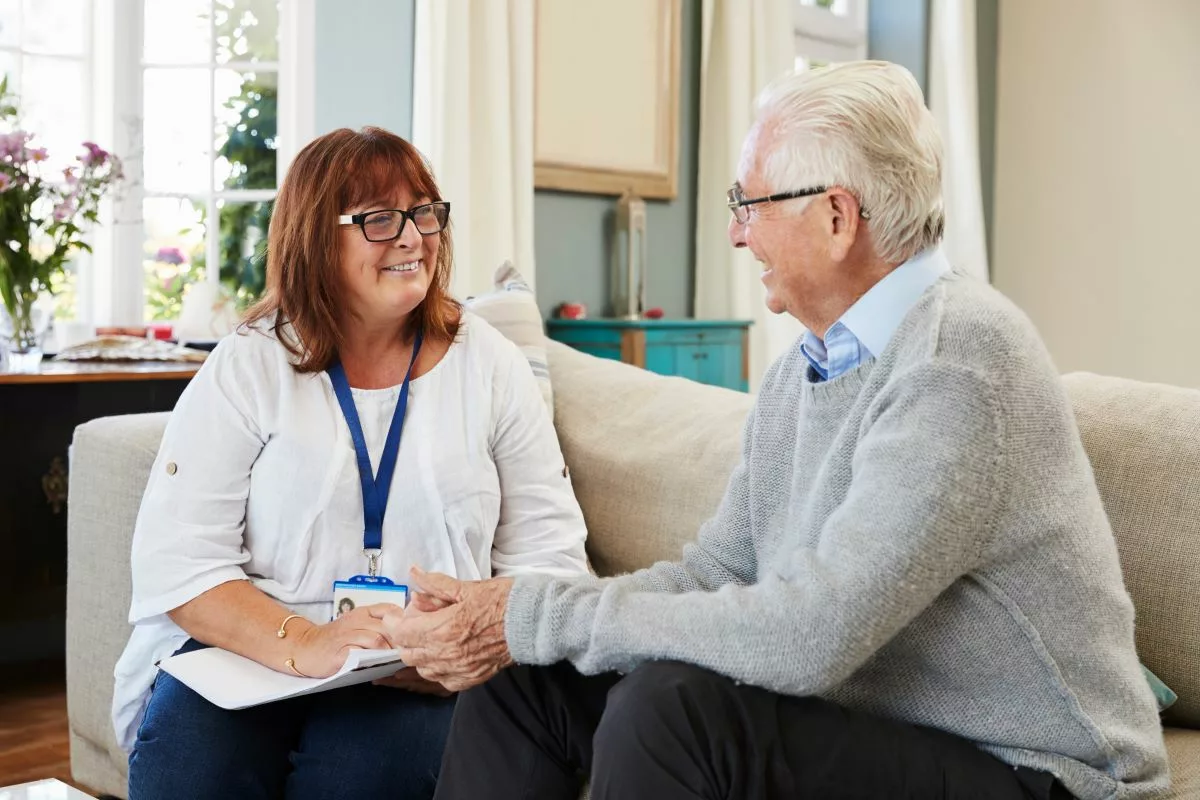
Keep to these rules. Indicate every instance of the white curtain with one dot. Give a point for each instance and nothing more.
(954, 101)
(473, 119)
(745, 45)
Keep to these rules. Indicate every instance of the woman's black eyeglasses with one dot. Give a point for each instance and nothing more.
(388, 223)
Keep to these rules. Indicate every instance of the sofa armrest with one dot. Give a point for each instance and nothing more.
(110, 464)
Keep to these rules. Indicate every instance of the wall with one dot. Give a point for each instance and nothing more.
(364, 69)
(1096, 169)
(571, 231)
(898, 31)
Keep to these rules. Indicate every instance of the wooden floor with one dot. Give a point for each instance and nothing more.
(33, 726)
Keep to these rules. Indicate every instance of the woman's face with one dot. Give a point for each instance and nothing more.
(385, 281)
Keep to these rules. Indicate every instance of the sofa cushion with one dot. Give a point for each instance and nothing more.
(1143, 441)
(650, 456)
(1183, 751)
(511, 308)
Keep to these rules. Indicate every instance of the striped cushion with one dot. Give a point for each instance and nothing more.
(511, 308)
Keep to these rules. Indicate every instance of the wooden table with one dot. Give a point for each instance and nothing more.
(39, 412)
(98, 372)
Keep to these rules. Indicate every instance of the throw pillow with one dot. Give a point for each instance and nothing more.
(1162, 693)
(511, 308)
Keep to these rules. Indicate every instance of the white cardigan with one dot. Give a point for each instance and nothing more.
(256, 478)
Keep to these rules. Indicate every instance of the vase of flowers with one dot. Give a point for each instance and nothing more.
(41, 227)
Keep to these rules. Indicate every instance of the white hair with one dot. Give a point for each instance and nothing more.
(862, 126)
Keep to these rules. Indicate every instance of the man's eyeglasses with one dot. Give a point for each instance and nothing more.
(387, 224)
(739, 204)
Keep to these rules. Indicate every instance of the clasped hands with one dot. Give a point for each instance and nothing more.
(451, 635)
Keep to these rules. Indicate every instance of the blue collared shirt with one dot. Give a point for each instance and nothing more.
(867, 326)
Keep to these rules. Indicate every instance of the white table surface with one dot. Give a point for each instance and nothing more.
(42, 790)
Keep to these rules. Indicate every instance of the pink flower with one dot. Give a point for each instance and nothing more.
(70, 177)
(95, 155)
(5, 182)
(12, 145)
(170, 255)
(64, 210)
(37, 154)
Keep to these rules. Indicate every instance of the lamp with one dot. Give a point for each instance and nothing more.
(629, 257)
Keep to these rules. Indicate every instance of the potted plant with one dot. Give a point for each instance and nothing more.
(41, 227)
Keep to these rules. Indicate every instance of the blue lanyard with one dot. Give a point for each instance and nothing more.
(375, 488)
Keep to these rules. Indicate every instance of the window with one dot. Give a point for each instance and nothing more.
(45, 52)
(204, 100)
(210, 94)
(829, 31)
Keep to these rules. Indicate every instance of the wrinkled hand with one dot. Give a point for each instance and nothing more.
(456, 638)
(322, 649)
(408, 678)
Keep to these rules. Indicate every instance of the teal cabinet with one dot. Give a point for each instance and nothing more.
(707, 351)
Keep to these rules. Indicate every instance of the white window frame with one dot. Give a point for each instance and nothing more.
(83, 262)
(118, 68)
(825, 36)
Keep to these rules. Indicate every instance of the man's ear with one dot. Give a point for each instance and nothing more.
(844, 221)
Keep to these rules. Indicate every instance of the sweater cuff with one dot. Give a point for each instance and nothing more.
(523, 617)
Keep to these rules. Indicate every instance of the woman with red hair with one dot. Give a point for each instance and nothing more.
(360, 421)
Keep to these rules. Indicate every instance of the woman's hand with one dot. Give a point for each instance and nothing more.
(321, 650)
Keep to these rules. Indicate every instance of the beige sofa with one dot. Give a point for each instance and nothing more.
(649, 457)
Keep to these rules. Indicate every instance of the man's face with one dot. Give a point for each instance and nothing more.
(789, 238)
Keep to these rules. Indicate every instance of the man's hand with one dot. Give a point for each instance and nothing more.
(408, 678)
(457, 638)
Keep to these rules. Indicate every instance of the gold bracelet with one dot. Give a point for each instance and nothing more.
(291, 664)
(282, 632)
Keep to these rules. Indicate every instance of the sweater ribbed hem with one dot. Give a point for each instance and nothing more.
(522, 616)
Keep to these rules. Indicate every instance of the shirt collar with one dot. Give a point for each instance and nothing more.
(876, 316)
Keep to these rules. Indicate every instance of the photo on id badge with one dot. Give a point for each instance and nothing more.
(363, 591)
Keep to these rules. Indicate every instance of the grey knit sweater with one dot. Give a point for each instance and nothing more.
(920, 538)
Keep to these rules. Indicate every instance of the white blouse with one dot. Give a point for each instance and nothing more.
(256, 478)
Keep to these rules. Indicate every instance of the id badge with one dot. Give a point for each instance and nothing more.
(365, 590)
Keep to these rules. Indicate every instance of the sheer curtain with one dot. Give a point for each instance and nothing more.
(745, 45)
(954, 101)
(473, 119)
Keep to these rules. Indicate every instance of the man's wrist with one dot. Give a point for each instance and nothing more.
(501, 591)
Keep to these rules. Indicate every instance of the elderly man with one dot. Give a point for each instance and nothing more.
(910, 588)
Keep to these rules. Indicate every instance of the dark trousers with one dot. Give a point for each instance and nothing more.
(670, 730)
(356, 742)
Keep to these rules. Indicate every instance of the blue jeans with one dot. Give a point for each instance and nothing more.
(355, 742)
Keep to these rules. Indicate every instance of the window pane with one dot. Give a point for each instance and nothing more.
(803, 64)
(178, 32)
(245, 133)
(173, 252)
(243, 249)
(839, 7)
(247, 30)
(8, 68)
(54, 27)
(66, 286)
(10, 20)
(53, 106)
(176, 146)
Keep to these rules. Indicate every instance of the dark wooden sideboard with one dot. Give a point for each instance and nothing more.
(38, 415)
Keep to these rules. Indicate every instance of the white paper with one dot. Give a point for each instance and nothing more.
(231, 681)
